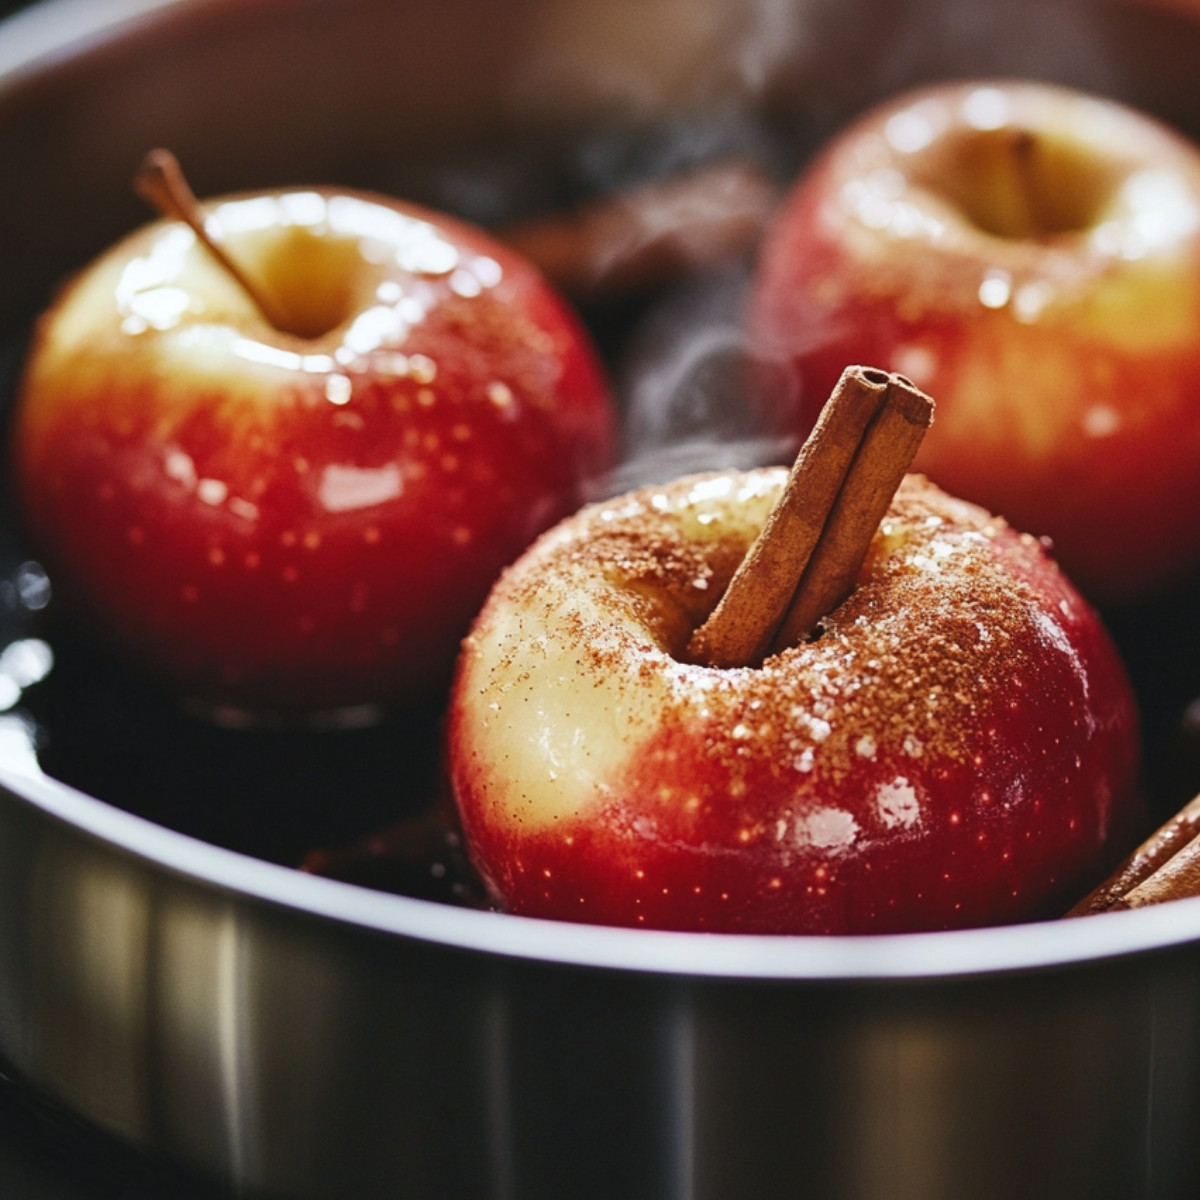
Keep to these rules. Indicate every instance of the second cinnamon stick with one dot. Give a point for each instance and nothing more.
(1166, 866)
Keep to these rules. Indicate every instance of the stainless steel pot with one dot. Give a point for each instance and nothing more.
(299, 1036)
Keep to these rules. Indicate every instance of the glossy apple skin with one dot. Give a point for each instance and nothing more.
(1062, 345)
(899, 773)
(282, 523)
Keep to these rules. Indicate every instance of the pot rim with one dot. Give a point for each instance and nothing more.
(51, 31)
(812, 958)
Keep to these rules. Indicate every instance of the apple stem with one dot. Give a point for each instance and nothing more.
(808, 554)
(161, 183)
(1026, 217)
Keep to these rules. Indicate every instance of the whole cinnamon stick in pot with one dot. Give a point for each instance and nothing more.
(1166, 866)
(657, 233)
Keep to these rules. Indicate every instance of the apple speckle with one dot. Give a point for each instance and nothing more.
(338, 389)
(996, 288)
(1101, 420)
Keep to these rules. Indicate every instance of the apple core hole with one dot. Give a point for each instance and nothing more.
(1016, 184)
(311, 278)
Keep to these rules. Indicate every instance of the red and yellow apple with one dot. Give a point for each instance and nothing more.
(302, 515)
(1031, 256)
(957, 747)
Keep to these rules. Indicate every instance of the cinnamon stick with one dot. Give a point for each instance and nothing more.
(1166, 866)
(888, 448)
(818, 533)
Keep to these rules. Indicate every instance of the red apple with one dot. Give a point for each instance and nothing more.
(1031, 256)
(302, 517)
(957, 747)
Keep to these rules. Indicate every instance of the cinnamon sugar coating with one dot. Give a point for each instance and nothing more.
(898, 659)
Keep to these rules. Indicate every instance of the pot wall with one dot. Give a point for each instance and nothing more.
(295, 1055)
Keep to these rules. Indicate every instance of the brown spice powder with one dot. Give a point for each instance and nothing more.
(897, 665)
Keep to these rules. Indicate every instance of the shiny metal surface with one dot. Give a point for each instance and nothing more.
(337, 1043)
(331, 1042)
(295, 1036)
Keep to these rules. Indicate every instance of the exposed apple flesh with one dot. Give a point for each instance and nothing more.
(304, 518)
(958, 746)
(1031, 256)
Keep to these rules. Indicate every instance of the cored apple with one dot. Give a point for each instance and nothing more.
(302, 513)
(955, 745)
(1031, 256)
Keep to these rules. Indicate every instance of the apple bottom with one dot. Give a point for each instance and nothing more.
(301, 610)
(301, 650)
(898, 850)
